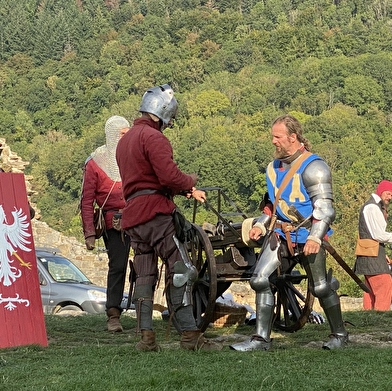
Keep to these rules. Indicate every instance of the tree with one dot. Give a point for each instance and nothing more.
(235, 65)
(208, 103)
(336, 123)
(362, 92)
(57, 184)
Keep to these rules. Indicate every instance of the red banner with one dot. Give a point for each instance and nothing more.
(21, 316)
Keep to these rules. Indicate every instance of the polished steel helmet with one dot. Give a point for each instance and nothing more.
(161, 102)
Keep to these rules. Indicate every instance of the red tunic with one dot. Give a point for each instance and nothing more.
(145, 159)
(96, 186)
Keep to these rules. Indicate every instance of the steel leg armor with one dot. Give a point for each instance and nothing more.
(184, 273)
(265, 299)
(324, 288)
(180, 290)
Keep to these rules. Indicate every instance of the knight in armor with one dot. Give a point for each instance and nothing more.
(150, 179)
(305, 196)
(102, 187)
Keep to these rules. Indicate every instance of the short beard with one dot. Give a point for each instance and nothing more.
(281, 154)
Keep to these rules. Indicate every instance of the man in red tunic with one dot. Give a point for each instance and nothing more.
(150, 179)
(102, 186)
(372, 260)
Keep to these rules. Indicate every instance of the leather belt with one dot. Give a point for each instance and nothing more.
(287, 228)
(143, 192)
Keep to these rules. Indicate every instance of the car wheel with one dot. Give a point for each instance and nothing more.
(61, 310)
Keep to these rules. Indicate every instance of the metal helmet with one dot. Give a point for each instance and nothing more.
(161, 102)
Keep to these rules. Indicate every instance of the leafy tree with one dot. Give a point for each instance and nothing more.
(58, 185)
(15, 23)
(362, 92)
(7, 123)
(235, 65)
(336, 123)
(208, 103)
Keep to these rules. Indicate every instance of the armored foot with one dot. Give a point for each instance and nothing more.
(254, 343)
(336, 341)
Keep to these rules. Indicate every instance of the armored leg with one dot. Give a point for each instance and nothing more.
(265, 301)
(183, 313)
(191, 337)
(181, 274)
(185, 272)
(324, 287)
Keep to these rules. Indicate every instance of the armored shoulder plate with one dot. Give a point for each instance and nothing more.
(317, 180)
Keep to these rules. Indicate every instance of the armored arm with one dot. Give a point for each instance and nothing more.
(317, 180)
(263, 221)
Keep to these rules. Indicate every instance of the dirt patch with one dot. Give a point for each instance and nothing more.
(374, 339)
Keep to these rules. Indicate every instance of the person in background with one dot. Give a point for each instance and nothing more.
(297, 215)
(372, 260)
(150, 180)
(102, 186)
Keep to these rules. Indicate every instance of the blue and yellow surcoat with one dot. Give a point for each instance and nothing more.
(293, 194)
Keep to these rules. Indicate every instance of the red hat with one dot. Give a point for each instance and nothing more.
(383, 186)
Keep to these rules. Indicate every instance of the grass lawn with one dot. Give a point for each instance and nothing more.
(83, 356)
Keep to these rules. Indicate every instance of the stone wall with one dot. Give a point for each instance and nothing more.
(92, 263)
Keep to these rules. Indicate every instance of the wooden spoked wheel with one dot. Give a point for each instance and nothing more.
(293, 305)
(204, 289)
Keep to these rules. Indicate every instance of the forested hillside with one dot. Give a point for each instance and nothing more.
(67, 65)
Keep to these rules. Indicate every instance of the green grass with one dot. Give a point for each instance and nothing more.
(82, 355)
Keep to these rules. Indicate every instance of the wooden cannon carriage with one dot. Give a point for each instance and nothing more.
(221, 257)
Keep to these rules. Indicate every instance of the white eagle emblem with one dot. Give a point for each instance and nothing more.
(12, 237)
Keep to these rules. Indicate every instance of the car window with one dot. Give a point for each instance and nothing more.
(63, 270)
(42, 280)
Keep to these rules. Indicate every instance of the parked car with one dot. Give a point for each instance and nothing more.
(65, 288)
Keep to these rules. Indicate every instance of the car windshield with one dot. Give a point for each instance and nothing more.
(63, 270)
